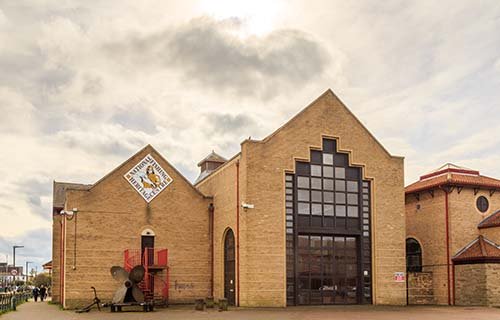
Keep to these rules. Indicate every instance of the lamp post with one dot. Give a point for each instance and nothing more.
(14, 258)
(26, 272)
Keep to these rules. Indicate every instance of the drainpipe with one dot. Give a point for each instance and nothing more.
(447, 243)
(211, 210)
(237, 233)
(63, 253)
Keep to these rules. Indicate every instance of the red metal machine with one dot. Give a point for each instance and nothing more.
(156, 278)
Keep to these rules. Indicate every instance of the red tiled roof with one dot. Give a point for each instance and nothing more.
(493, 220)
(47, 265)
(453, 175)
(481, 250)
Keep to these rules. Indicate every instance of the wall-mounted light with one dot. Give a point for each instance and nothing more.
(247, 205)
(69, 213)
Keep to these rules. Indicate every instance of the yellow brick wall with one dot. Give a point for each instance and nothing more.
(465, 216)
(264, 226)
(427, 225)
(112, 216)
(491, 233)
(56, 240)
(493, 284)
(470, 285)
(222, 186)
(478, 284)
(262, 230)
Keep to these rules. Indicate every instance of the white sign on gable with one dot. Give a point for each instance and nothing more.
(148, 178)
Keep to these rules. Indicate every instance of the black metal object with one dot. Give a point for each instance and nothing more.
(118, 307)
(96, 302)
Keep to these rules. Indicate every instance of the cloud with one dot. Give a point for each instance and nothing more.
(210, 53)
(18, 114)
(229, 124)
(497, 65)
(83, 87)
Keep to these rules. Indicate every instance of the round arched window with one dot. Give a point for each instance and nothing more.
(482, 204)
(413, 256)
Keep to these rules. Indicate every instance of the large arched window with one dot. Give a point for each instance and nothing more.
(413, 256)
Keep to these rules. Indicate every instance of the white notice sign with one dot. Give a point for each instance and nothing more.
(148, 178)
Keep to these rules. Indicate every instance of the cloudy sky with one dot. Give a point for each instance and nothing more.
(85, 84)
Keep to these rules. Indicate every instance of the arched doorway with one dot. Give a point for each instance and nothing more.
(229, 268)
(413, 255)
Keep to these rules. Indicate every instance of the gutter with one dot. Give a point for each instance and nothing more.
(447, 244)
(237, 233)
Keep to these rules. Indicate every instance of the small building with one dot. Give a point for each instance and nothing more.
(453, 237)
(47, 267)
(311, 214)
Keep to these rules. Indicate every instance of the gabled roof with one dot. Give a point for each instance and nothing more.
(328, 92)
(480, 250)
(325, 94)
(493, 220)
(59, 192)
(59, 197)
(47, 265)
(452, 175)
(212, 157)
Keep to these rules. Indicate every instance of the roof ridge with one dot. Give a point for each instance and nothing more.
(482, 246)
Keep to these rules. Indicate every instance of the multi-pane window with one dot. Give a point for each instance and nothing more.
(290, 248)
(330, 201)
(327, 269)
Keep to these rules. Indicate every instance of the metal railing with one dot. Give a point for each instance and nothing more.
(154, 284)
(9, 301)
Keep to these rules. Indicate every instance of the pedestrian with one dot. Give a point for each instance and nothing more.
(36, 292)
(43, 291)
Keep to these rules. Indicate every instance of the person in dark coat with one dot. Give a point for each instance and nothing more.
(36, 293)
(43, 291)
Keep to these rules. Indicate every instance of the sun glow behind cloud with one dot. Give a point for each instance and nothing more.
(258, 17)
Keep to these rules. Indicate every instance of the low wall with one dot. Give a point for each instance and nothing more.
(477, 284)
(420, 288)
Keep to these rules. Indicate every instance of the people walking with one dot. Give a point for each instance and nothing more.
(36, 293)
(43, 291)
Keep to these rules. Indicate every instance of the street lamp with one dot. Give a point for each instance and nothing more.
(14, 258)
(26, 272)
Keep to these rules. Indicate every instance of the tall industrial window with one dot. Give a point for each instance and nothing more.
(328, 230)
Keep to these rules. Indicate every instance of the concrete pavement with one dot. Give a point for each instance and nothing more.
(45, 311)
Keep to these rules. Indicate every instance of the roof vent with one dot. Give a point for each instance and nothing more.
(209, 164)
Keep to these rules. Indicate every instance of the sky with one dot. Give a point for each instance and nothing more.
(86, 84)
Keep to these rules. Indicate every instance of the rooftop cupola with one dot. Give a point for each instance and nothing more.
(209, 164)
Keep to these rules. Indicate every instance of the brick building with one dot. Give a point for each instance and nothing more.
(312, 214)
(453, 237)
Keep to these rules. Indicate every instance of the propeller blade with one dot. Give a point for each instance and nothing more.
(119, 273)
(137, 274)
(120, 295)
(137, 294)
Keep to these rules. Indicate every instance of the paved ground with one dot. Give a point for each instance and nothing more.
(44, 311)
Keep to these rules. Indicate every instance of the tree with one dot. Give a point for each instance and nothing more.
(42, 279)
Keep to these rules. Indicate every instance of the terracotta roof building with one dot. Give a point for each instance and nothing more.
(491, 221)
(452, 175)
(453, 219)
(480, 250)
